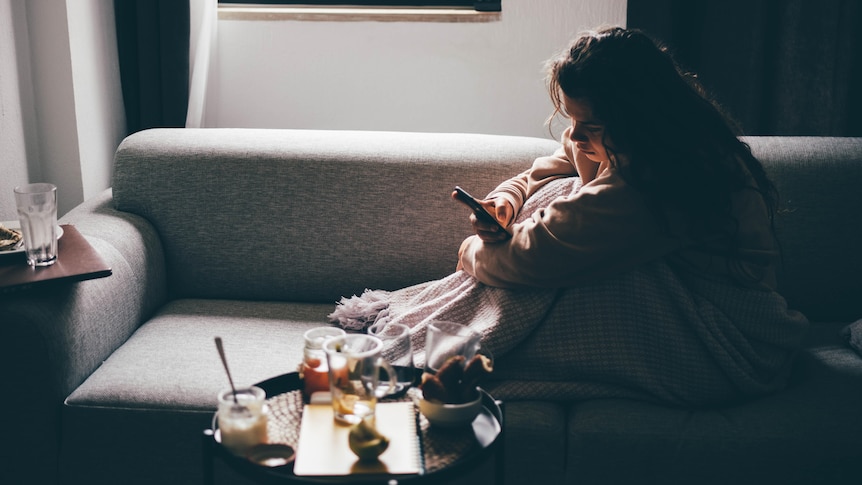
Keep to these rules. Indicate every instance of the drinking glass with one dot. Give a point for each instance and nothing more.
(37, 213)
(354, 373)
(398, 351)
(448, 339)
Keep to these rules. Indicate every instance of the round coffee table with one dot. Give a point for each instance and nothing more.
(446, 452)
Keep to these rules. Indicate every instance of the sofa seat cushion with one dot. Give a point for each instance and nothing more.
(171, 361)
(801, 435)
(535, 441)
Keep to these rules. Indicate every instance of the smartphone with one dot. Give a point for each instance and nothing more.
(481, 213)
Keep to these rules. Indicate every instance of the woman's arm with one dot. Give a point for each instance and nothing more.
(506, 201)
(544, 170)
(603, 229)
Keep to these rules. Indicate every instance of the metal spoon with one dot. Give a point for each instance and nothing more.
(220, 348)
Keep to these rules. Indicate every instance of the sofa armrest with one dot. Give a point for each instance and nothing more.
(56, 335)
(64, 331)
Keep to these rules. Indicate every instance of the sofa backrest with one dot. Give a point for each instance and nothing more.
(309, 215)
(819, 226)
(304, 215)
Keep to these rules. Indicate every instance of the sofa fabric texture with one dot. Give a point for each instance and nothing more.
(254, 235)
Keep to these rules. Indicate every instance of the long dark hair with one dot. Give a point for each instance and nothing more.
(680, 150)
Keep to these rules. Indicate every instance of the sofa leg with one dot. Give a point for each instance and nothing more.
(500, 455)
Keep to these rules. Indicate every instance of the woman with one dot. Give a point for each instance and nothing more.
(639, 259)
(664, 176)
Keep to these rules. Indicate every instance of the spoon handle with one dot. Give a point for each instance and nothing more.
(220, 348)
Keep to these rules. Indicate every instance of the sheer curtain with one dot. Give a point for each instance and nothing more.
(202, 46)
(789, 67)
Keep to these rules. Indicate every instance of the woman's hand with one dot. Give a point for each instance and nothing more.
(503, 211)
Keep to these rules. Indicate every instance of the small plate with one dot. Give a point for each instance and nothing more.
(271, 455)
(17, 226)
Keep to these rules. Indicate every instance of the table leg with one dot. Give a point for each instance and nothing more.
(500, 455)
(208, 442)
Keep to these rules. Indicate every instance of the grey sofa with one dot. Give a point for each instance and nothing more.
(253, 235)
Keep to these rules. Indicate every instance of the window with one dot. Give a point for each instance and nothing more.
(479, 5)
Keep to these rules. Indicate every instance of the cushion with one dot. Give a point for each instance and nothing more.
(171, 362)
(302, 215)
(801, 435)
(818, 180)
(535, 442)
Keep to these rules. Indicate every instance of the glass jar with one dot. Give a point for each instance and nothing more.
(314, 371)
(242, 418)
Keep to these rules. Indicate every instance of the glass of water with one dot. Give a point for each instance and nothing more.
(37, 213)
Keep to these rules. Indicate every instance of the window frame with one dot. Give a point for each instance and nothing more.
(477, 5)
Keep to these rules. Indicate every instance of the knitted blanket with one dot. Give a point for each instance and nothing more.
(653, 333)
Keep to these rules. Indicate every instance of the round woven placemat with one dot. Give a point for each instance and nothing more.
(440, 447)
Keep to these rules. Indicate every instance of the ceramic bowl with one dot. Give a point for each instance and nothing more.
(451, 415)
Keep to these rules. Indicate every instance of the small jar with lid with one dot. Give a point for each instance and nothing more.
(314, 370)
(242, 418)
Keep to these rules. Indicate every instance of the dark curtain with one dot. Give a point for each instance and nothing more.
(779, 67)
(153, 47)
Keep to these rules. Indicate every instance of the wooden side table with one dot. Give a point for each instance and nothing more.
(77, 260)
(447, 453)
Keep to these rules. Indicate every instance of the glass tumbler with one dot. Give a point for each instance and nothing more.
(398, 351)
(354, 373)
(37, 213)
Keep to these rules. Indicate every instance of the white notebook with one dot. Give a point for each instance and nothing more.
(323, 448)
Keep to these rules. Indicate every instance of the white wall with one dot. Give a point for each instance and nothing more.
(62, 113)
(401, 76)
(99, 111)
(17, 117)
(54, 100)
